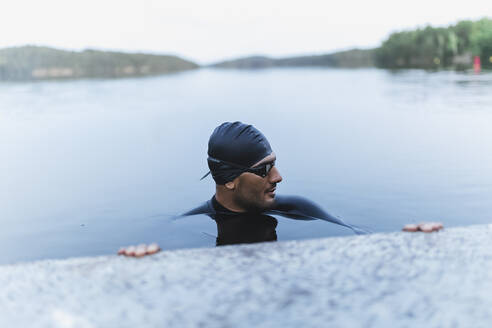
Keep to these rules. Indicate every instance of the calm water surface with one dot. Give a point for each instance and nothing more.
(89, 166)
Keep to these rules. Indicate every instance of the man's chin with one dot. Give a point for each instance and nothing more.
(261, 205)
(269, 202)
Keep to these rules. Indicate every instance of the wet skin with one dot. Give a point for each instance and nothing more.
(250, 192)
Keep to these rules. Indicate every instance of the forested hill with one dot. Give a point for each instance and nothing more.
(452, 47)
(438, 47)
(32, 63)
(349, 58)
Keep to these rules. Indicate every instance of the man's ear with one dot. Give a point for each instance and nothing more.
(230, 185)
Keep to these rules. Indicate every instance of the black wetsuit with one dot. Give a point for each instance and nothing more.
(242, 228)
(237, 228)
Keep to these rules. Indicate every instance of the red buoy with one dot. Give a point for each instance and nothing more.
(477, 67)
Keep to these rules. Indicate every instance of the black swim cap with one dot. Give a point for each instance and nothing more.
(236, 143)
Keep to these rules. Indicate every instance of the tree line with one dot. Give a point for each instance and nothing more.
(438, 47)
(33, 63)
(347, 59)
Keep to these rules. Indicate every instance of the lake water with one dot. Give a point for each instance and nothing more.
(89, 166)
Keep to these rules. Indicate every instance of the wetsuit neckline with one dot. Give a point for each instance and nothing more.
(218, 207)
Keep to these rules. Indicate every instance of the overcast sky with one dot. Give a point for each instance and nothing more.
(211, 30)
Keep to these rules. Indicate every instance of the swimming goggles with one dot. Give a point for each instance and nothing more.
(260, 170)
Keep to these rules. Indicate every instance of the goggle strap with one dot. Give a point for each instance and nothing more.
(206, 175)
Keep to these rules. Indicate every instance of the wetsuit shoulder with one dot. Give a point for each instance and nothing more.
(205, 208)
(300, 208)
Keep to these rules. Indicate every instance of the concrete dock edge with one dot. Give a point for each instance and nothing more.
(396, 279)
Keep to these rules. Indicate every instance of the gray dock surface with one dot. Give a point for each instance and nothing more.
(398, 279)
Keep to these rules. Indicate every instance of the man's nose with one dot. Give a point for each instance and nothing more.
(274, 175)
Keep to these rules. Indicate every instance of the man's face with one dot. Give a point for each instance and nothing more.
(255, 193)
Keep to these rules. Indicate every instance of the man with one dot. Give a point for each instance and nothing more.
(242, 163)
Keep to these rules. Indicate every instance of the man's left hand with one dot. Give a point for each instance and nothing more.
(424, 227)
(140, 250)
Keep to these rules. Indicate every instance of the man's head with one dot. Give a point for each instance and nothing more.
(242, 164)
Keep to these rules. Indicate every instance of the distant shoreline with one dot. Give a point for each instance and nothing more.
(31, 63)
(457, 47)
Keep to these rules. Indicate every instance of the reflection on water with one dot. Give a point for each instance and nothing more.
(89, 166)
(436, 90)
